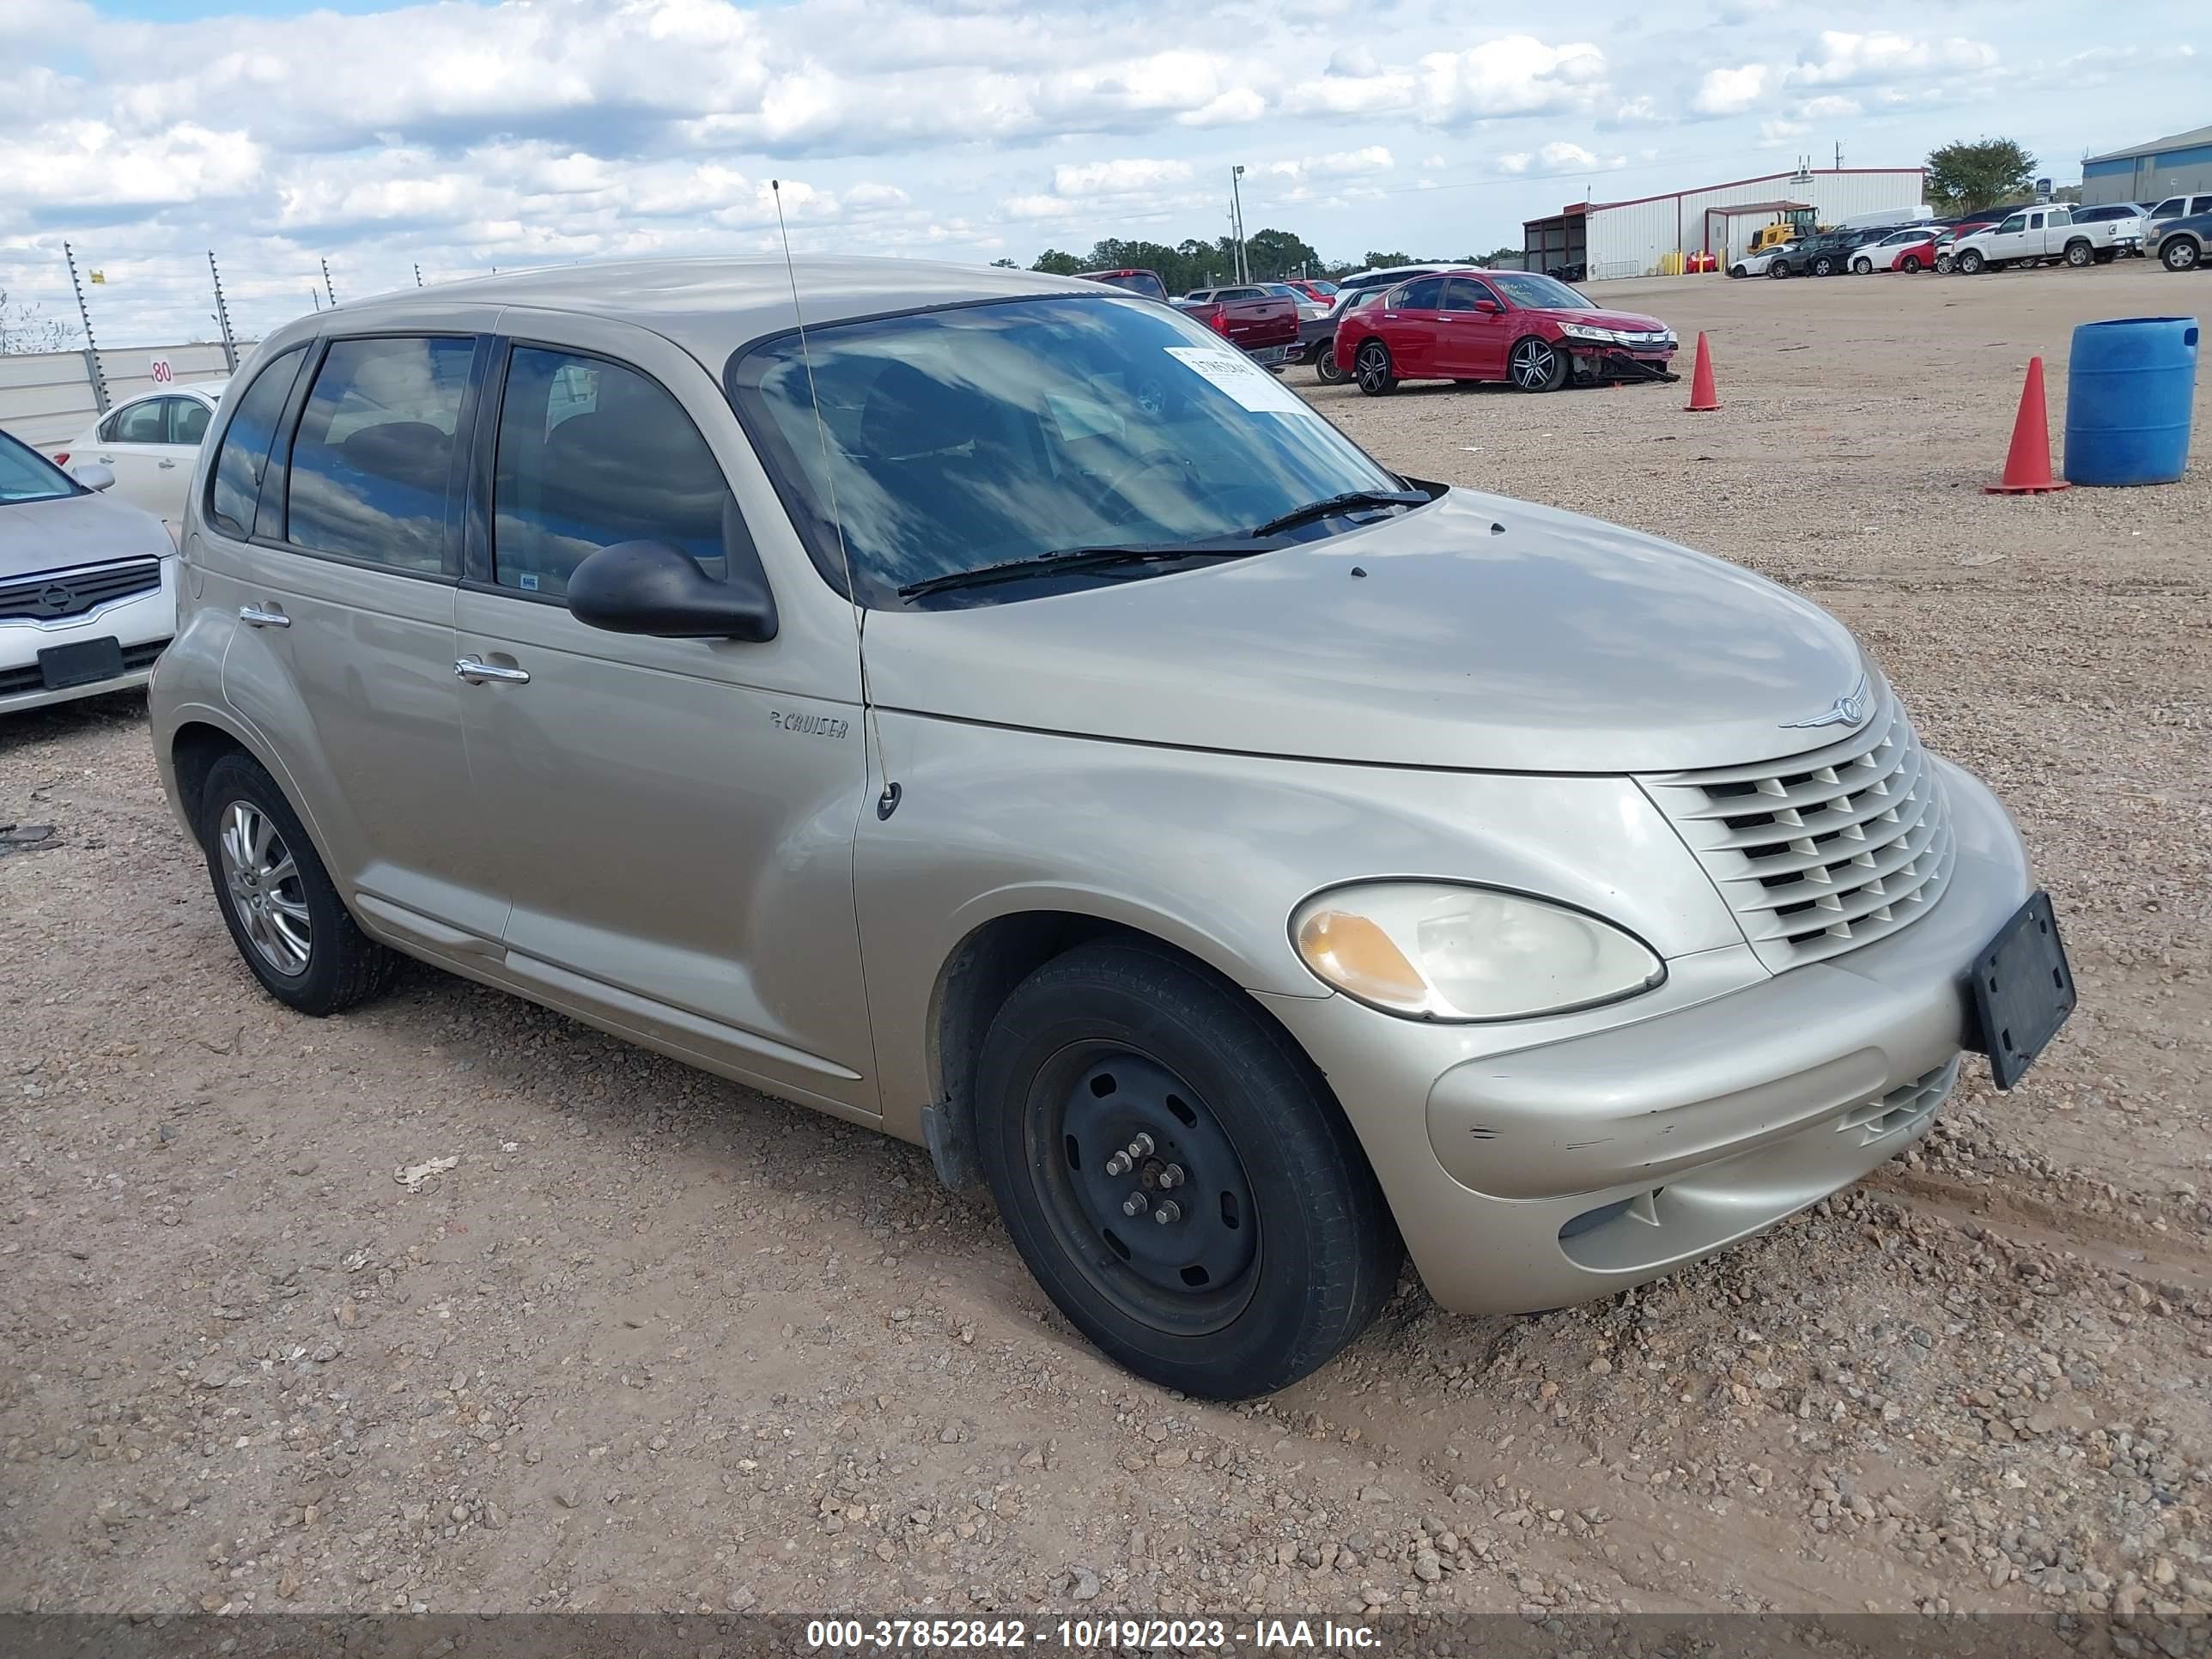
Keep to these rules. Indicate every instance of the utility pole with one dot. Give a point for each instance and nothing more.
(1237, 212)
(327, 288)
(316, 294)
(1839, 155)
(223, 316)
(92, 368)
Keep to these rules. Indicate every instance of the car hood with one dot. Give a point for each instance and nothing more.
(75, 529)
(1634, 322)
(1477, 633)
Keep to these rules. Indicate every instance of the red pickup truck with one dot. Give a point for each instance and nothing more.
(1266, 326)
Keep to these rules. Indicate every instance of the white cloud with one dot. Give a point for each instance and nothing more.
(1125, 178)
(1343, 164)
(1731, 91)
(1846, 59)
(1556, 158)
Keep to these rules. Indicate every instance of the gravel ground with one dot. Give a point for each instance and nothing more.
(654, 1343)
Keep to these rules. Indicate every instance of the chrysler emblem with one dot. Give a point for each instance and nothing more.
(1847, 710)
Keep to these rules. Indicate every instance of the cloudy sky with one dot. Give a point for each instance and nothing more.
(465, 134)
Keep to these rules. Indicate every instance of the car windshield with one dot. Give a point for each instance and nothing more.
(956, 439)
(1525, 289)
(27, 475)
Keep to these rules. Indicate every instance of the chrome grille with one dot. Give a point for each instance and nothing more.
(1824, 852)
(59, 593)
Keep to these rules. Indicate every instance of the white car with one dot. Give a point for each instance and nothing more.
(1909, 249)
(1755, 264)
(88, 584)
(150, 445)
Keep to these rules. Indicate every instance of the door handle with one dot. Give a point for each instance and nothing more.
(254, 616)
(107, 460)
(165, 465)
(476, 671)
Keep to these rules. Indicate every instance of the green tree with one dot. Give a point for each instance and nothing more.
(1964, 178)
(1003, 264)
(1053, 262)
(1273, 254)
(1382, 261)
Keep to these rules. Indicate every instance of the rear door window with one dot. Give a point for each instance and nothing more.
(593, 453)
(235, 485)
(188, 420)
(1426, 295)
(371, 473)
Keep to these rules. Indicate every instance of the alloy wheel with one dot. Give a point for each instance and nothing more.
(1534, 364)
(1373, 367)
(1143, 1187)
(265, 890)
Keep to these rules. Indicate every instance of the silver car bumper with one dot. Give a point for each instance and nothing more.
(140, 624)
(1662, 1137)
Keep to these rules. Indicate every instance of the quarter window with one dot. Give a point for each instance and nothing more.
(243, 456)
(591, 454)
(372, 466)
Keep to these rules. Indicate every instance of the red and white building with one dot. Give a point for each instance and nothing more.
(1634, 238)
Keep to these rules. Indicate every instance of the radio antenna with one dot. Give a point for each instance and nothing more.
(871, 739)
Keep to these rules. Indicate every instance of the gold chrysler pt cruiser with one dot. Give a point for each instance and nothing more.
(986, 707)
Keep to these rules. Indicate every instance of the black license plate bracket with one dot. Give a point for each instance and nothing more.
(82, 662)
(2023, 990)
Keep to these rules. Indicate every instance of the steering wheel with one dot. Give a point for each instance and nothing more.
(1153, 462)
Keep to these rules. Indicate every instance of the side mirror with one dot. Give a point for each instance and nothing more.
(657, 589)
(1490, 306)
(94, 475)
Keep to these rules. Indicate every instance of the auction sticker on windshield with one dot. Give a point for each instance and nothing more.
(1242, 379)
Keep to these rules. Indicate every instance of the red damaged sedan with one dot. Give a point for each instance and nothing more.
(1515, 325)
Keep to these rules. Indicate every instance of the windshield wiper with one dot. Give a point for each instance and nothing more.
(1081, 558)
(1335, 504)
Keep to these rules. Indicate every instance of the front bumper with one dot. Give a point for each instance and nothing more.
(1707, 1111)
(140, 624)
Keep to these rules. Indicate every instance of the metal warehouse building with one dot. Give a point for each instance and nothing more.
(1635, 238)
(2164, 166)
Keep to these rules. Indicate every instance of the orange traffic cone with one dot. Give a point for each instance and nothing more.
(1702, 395)
(2027, 464)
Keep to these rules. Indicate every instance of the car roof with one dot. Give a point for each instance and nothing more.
(709, 306)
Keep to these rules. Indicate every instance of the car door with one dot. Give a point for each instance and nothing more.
(2009, 239)
(1411, 319)
(1471, 334)
(134, 440)
(673, 818)
(341, 562)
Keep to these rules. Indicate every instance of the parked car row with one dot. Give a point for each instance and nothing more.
(2044, 233)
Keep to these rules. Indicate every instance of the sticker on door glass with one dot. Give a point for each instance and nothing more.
(1243, 380)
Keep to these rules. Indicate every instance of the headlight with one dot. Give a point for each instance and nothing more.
(1438, 950)
(1584, 332)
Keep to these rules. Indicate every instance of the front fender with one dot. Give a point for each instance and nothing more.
(1212, 852)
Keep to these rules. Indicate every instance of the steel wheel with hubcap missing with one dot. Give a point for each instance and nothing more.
(263, 879)
(1536, 365)
(1175, 1172)
(1372, 367)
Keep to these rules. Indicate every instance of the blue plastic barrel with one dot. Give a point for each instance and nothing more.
(2130, 385)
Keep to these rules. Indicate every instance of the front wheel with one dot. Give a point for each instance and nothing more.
(282, 909)
(1971, 262)
(1177, 1174)
(1944, 264)
(2080, 255)
(1537, 365)
(1372, 369)
(2179, 253)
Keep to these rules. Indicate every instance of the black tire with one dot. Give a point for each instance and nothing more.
(1777, 270)
(1969, 263)
(2180, 253)
(1910, 265)
(1534, 364)
(2080, 255)
(1326, 370)
(1824, 266)
(1944, 264)
(1863, 266)
(341, 966)
(1120, 1037)
(1372, 368)
(1736, 271)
